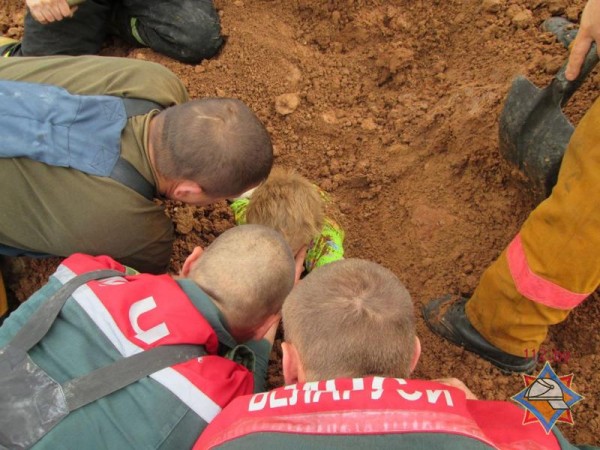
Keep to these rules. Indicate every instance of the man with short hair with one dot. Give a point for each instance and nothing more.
(359, 303)
(229, 294)
(59, 198)
(350, 344)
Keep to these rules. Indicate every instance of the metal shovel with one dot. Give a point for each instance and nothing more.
(534, 132)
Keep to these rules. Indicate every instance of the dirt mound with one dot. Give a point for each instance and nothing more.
(392, 106)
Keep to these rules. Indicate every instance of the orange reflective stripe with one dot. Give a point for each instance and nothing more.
(534, 287)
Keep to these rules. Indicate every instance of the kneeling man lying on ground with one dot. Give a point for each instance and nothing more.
(69, 374)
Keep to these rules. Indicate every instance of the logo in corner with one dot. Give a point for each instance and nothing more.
(547, 398)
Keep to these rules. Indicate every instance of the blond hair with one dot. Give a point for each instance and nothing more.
(351, 318)
(290, 204)
(247, 271)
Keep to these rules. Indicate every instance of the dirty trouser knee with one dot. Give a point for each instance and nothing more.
(186, 30)
(82, 34)
(552, 264)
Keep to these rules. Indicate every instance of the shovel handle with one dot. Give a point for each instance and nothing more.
(75, 2)
(564, 88)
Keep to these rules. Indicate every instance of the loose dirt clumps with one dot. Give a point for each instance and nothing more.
(392, 107)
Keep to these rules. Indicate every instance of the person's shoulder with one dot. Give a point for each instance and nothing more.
(152, 71)
(146, 68)
(112, 64)
(152, 80)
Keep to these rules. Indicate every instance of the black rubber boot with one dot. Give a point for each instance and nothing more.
(446, 317)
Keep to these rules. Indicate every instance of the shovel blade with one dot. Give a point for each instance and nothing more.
(534, 133)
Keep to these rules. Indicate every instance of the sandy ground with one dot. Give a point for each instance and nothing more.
(392, 107)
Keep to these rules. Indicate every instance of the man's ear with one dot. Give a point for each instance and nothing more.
(190, 260)
(293, 372)
(299, 258)
(416, 354)
(270, 322)
(186, 190)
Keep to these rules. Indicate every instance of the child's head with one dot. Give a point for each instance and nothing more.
(247, 271)
(350, 318)
(218, 143)
(290, 204)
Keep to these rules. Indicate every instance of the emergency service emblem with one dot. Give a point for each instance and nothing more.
(547, 398)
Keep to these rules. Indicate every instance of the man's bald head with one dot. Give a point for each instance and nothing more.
(248, 271)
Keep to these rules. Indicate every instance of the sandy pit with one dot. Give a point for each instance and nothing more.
(392, 107)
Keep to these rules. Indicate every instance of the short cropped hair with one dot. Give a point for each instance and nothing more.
(290, 204)
(351, 318)
(217, 142)
(247, 271)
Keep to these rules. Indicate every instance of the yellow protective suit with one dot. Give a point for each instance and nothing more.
(553, 264)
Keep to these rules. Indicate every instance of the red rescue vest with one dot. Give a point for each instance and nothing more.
(374, 406)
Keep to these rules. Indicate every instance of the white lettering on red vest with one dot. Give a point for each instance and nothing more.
(258, 401)
(277, 402)
(310, 387)
(411, 397)
(433, 395)
(153, 334)
(357, 385)
(377, 387)
(294, 398)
